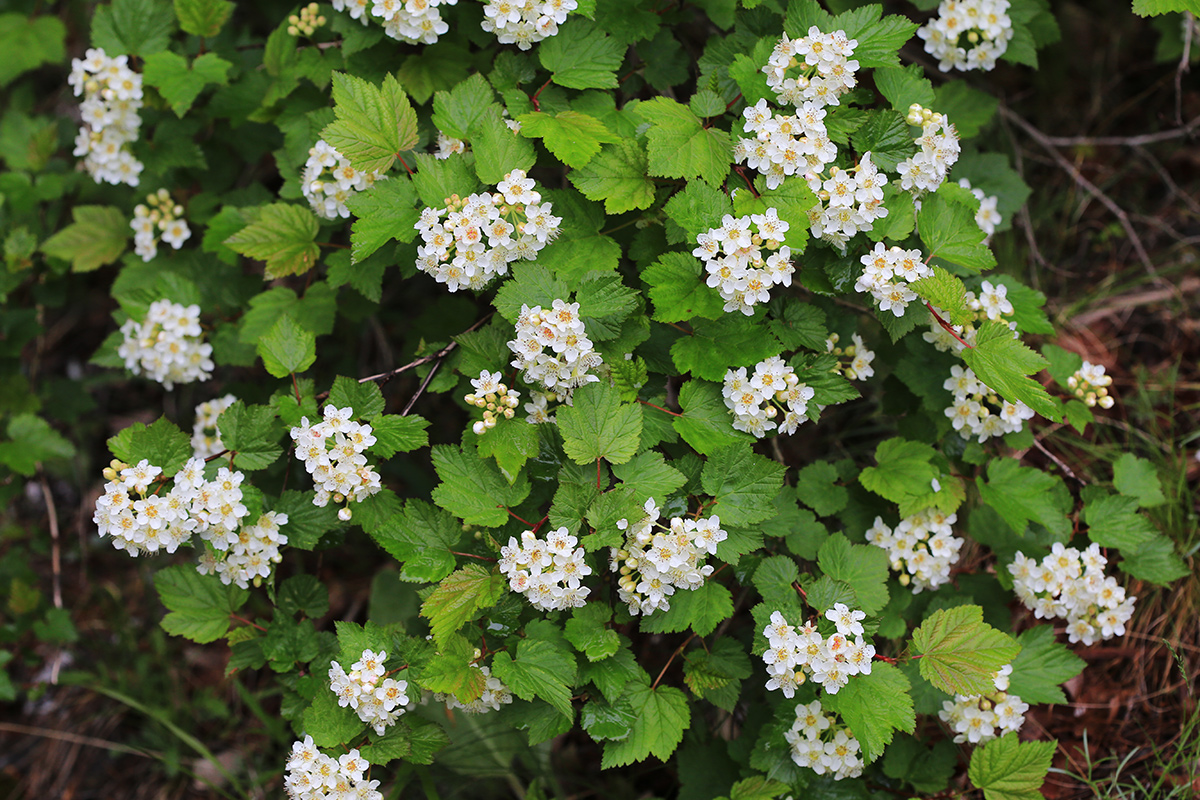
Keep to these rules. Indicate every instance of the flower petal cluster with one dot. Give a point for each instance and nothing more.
(525, 22)
(858, 358)
(168, 345)
(1070, 584)
(328, 181)
(819, 744)
(311, 774)
(987, 217)
(332, 452)
(745, 257)
(547, 571)
(552, 349)
(378, 700)
(206, 439)
(1090, 384)
(757, 400)
(657, 560)
(411, 21)
(979, 718)
(794, 655)
(495, 694)
(112, 97)
(887, 273)
(251, 556)
(158, 218)
(448, 146)
(825, 69)
(496, 400)
(850, 201)
(938, 141)
(784, 144)
(978, 411)
(922, 548)
(968, 34)
(483, 233)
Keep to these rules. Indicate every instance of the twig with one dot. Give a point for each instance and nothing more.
(75, 738)
(384, 377)
(1185, 63)
(1184, 131)
(678, 650)
(55, 565)
(432, 371)
(1041, 448)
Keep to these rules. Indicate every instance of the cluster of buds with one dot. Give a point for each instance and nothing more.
(1071, 585)
(968, 34)
(112, 95)
(329, 181)
(525, 22)
(306, 22)
(496, 400)
(744, 262)
(826, 70)
(495, 693)
(979, 718)
(990, 303)
(939, 145)
(251, 557)
(987, 217)
(820, 745)
(159, 215)
(332, 452)
(757, 401)
(378, 700)
(483, 233)
(1090, 384)
(784, 144)
(793, 655)
(979, 411)
(206, 439)
(547, 571)
(571, 358)
(922, 548)
(854, 361)
(887, 273)
(168, 345)
(312, 774)
(653, 564)
(850, 201)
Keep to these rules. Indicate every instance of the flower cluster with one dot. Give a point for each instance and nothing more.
(991, 303)
(737, 265)
(411, 21)
(140, 520)
(784, 144)
(483, 233)
(332, 451)
(821, 746)
(887, 273)
(987, 217)
(567, 366)
(547, 571)
(112, 95)
(168, 345)
(978, 411)
(496, 400)
(525, 22)
(250, 557)
(858, 357)
(757, 400)
(1090, 384)
(653, 564)
(826, 70)
(537, 411)
(448, 146)
(850, 201)
(922, 548)
(159, 215)
(938, 141)
(311, 774)
(328, 181)
(379, 701)
(206, 439)
(968, 34)
(980, 718)
(1071, 585)
(793, 655)
(495, 694)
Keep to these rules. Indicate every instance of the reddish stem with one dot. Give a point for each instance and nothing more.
(471, 555)
(597, 473)
(404, 164)
(742, 171)
(678, 650)
(514, 516)
(537, 94)
(660, 408)
(947, 327)
(731, 103)
(543, 521)
(296, 387)
(248, 622)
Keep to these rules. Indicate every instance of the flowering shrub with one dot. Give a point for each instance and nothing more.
(645, 270)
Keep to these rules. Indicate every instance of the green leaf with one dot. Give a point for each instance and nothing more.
(715, 346)
(162, 444)
(1114, 521)
(302, 594)
(879, 40)
(1009, 769)
(283, 236)
(816, 487)
(743, 484)
(203, 17)
(967, 107)
(679, 146)
(874, 706)
(329, 724)
(32, 441)
(451, 671)
(701, 609)
(531, 284)
(903, 86)
(306, 523)
(387, 211)
(437, 179)
(947, 292)
(904, 472)
(199, 605)
(457, 111)
(586, 631)
(927, 770)
(374, 124)
(133, 27)
(472, 489)
(678, 291)
(863, 567)
(1153, 8)
(1003, 363)
(604, 304)
(28, 42)
(411, 738)
(252, 433)
(706, 422)
(606, 721)
(960, 653)
(949, 232)
(617, 175)
(499, 150)
(698, 208)
(757, 788)
(179, 83)
(1042, 666)
(581, 56)
(886, 136)
(1155, 561)
(649, 475)
(1137, 477)
(572, 137)
(540, 670)
(1024, 494)
(661, 716)
(365, 398)
(511, 443)
(457, 598)
(421, 539)
(580, 248)
(95, 238)
(287, 348)
(597, 425)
